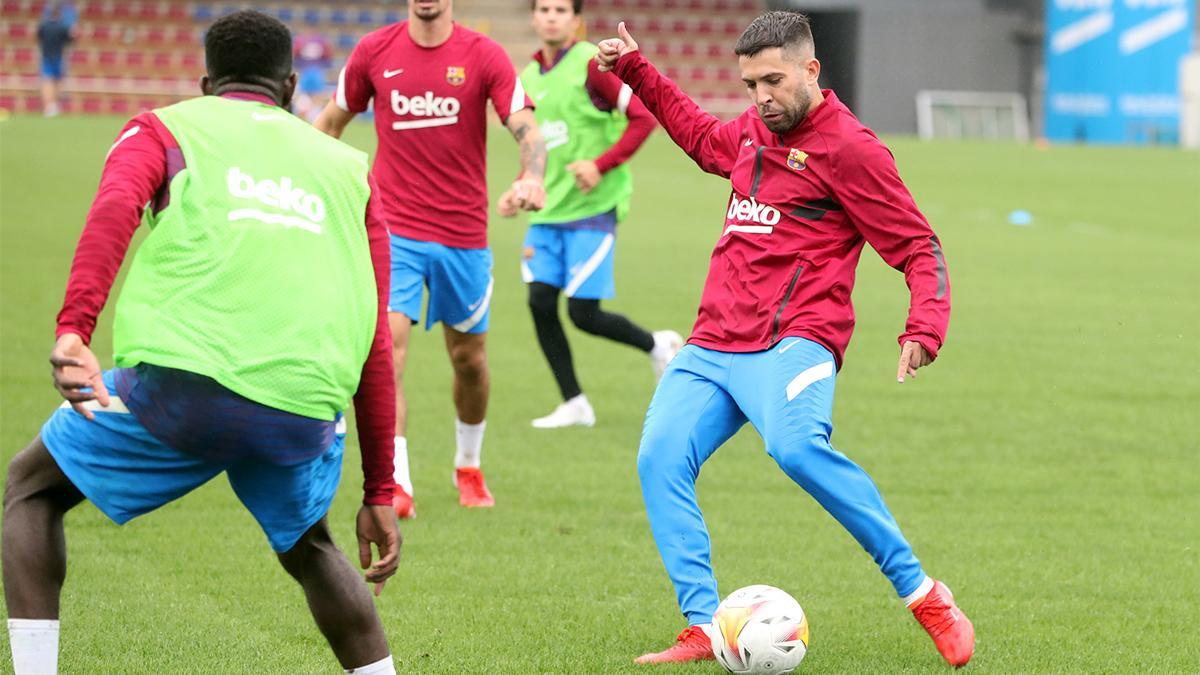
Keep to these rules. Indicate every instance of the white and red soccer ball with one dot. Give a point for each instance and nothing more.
(759, 630)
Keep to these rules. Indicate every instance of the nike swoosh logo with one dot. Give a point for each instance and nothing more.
(540, 96)
(389, 74)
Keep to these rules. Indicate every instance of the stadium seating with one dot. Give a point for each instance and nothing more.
(136, 54)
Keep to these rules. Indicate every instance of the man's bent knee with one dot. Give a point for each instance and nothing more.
(34, 472)
(312, 545)
(469, 360)
(661, 453)
(543, 299)
(583, 313)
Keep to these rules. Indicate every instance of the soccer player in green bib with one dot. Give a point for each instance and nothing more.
(253, 313)
(592, 124)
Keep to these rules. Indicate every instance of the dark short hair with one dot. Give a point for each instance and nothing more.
(248, 46)
(576, 6)
(775, 29)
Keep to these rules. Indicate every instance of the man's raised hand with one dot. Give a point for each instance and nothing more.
(614, 48)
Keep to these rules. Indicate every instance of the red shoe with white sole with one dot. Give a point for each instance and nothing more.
(691, 645)
(951, 630)
(472, 489)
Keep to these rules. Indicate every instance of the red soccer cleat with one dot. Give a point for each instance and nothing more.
(472, 490)
(402, 502)
(951, 630)
(691, 645)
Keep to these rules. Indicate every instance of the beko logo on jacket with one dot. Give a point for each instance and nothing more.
(750, 211)
(281, 194)
(439, 111)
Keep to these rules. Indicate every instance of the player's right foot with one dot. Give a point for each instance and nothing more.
(951, 630)
(575, 412)
(472, 489)
(667, 344)
(402, 502)
(691, 645)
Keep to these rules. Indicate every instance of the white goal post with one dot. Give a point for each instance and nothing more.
(972, 114)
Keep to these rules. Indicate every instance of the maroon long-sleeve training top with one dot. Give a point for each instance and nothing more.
(801, 208)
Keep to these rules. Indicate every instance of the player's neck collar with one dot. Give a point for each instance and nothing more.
(413, 29)
(540, 56)
(249, 96)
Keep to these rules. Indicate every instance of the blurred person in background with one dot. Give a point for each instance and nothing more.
(54, 33)
(592, 124)
(313, 54)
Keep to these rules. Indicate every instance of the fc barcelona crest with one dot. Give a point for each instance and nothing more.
(796, 159)
(456, 75)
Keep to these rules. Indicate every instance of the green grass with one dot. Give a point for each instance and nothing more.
(1047, 465)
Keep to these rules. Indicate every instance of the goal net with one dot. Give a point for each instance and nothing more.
(972, 114)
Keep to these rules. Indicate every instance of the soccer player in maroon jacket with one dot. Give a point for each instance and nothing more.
(811, 185)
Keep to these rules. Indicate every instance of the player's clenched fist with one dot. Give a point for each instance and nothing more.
(587, 174)
(528, 194)
(614, 48)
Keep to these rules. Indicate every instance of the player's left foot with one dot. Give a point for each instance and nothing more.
(690, 645)
(951, 630)
(667, 344)
(472, 489)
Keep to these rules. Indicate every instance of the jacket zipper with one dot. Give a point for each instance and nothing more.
(757, 170)
(787, 295)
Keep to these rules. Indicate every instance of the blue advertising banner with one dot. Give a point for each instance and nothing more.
(1112, 69)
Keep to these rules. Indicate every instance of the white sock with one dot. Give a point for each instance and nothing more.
(380, 667)
(920, 593)
(469, 438)
(579, 400)
(34, 646)
(400, 464)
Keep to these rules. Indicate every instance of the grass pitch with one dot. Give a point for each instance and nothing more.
(1046, 466)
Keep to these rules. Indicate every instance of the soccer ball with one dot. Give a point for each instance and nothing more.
(759, 630)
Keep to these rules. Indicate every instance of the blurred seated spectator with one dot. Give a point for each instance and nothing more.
(313, 56)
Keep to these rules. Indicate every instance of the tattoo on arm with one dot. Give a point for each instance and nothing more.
(533, 148)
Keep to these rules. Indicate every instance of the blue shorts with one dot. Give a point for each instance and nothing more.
(459, 282)
(53, 69)
(126, 472)
(576, 257)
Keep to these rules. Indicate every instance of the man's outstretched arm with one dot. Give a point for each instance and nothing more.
(712, 145)
(333, 120)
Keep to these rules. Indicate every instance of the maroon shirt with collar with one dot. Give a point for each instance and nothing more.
(802, 206)
(137, 172)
